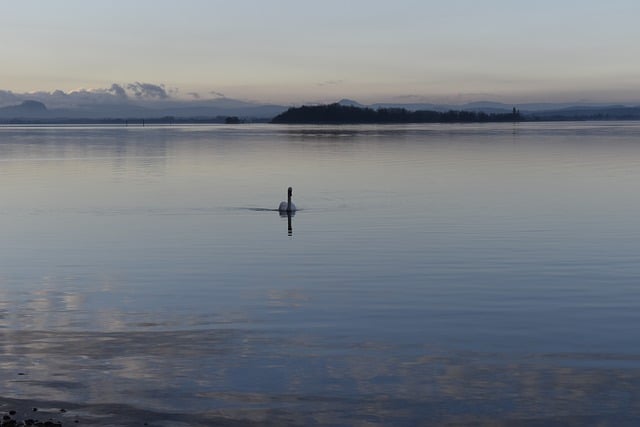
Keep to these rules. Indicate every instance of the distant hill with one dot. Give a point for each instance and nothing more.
(114, 110)
(345, 114)
(350, 103)
(216, 110)
(578, 109)
(613, 112)
(29, 108)
(528, 111)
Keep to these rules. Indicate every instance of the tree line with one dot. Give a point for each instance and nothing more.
(346, 114)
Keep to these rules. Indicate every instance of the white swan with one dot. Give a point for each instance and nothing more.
(287, 206)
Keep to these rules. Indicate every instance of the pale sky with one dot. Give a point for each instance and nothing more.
(297, 51)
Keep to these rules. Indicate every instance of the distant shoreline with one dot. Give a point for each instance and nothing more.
(346, 114)
(136, 122)
(153, 122)
(31, 112)
(321, 115)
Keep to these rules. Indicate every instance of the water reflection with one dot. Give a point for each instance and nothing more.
(485, 277)
(308, 380)
(289, 215)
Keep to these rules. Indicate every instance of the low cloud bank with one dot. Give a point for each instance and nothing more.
(115, 94)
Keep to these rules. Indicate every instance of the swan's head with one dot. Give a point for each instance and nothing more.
(289, 191)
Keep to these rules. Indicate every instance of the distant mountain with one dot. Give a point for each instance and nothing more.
(490, 106)
(479, 107)
(31, 109)
(31, 106)
(611, 112)
(113, 109)
(350, 103)
(207, 109)
(413, 106)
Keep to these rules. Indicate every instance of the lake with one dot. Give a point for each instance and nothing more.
(478, 274)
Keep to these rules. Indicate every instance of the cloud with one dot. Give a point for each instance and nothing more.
(330, 83)
(118, 91)
(194, 95)
(218, 94)
(115, 94)
(8, 98)
(148, 90)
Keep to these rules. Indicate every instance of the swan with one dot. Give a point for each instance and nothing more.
(287, 206)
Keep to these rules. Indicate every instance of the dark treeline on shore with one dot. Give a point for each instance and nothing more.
(333, 114)
(337, 114)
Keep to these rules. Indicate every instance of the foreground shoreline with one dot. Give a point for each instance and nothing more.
(28, 412)
(52, 413)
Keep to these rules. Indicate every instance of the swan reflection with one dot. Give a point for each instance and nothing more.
(288, 209)
(288, 215)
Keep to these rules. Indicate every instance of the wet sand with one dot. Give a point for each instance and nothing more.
(234, 377)
(25, 412)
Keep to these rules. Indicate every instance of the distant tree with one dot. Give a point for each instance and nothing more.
(232, 120)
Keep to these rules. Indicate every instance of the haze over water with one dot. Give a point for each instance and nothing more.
(434, 274)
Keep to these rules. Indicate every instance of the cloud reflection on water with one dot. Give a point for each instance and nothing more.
(250, 372)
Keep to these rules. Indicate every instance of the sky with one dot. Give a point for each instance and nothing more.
(286, 51)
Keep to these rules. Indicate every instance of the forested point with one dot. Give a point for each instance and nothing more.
(343, 114)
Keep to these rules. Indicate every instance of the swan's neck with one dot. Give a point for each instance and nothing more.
(288, 202)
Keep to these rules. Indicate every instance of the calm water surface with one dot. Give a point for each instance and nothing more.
(439, 274)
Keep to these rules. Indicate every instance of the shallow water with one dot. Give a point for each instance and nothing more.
(435, 274)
